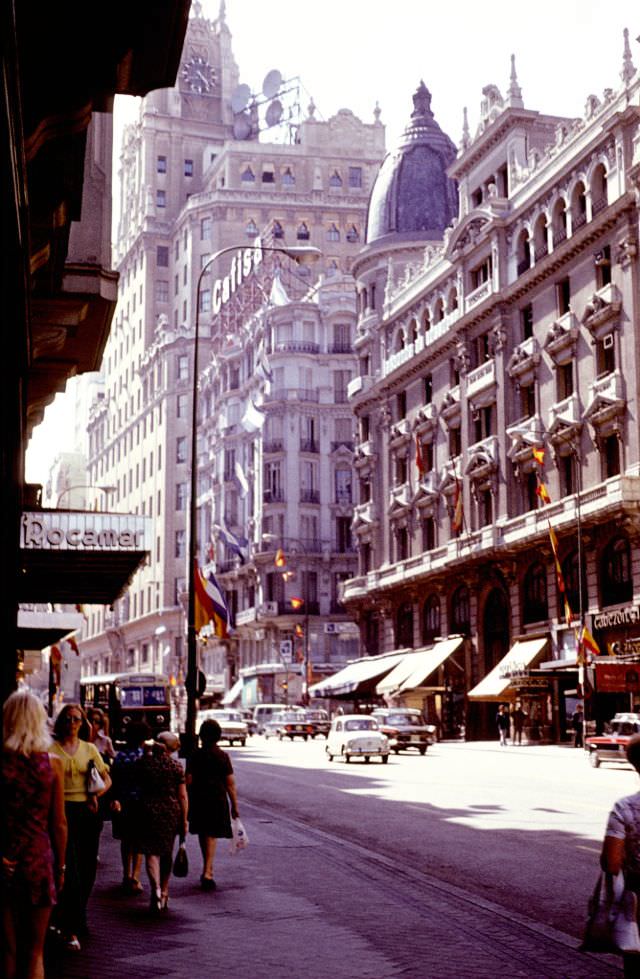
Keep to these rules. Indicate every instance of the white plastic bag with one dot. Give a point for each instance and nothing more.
(239, 840)
(95, 781)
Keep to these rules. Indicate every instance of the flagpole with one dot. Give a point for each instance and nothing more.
(300, 254)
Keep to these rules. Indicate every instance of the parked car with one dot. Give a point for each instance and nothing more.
(611, 746)
(290, 723)
(247, 717)
(356, 736)
(319, 722)
(234, 726)
(405, 728)
(264, 712)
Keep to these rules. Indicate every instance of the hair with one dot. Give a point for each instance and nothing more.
(168, 740)
(100, 714)
(59, 726)
(210, 733)
(633, 752)
(136, 733)
(24, 723)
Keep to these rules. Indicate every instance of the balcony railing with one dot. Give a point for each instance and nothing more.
(598, 204)
(275, 445)
(293, 394)
(524, 265)
(340, 348)
(577, 220)
(482, 377)
(309, 496)
(297, 347)
(309, 445)
(273, 496)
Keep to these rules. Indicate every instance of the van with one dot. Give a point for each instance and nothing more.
(264, 712)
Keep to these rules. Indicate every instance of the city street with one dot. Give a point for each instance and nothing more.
(473, 861)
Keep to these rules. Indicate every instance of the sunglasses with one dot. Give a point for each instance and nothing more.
(71, 718)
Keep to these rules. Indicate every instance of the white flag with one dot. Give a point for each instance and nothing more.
(241, 480)
(278, 295)
(253, 419)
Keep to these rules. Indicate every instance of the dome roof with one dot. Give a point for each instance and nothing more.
(412, 197)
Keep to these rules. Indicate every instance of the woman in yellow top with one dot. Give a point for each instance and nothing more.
(71, 733)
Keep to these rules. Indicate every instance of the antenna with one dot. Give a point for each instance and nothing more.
(273, 115)
(242, 126)
(271, 84)
(240, 98)
(277, 108)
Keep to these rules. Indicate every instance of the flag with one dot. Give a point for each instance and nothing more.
(262, 365)
(542, 492)
(210, 605)
(55, 657)
(278, 295)
(588, 643)
(280, 560)
(420, 463)
(538, 455)
(299, 631)
(568, 612)
(296, 602)
(554, 541)
(240, 480)
(239, 545)
(81, 609)
(458, 509)
(253, 418)
(560, 577)
(72, 641)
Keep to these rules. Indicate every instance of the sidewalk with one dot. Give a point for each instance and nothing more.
(298, 904)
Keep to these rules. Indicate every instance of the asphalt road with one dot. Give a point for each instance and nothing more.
(519, 827)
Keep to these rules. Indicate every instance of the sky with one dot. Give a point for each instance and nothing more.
(354, 53)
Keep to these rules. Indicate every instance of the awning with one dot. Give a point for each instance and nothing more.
(233, 694)
(429, 661)
(519, 658)
(357, 677)
(38, 629)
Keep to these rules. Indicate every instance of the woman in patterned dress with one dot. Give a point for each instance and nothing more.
(621, 847)
(34, 834)
(124, 799)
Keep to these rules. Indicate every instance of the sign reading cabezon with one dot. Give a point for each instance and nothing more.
(59, 530)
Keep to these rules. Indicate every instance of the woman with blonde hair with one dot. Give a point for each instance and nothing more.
(71, 732)
(34, 834)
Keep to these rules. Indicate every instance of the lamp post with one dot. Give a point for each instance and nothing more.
(302, 254)
(69, 489)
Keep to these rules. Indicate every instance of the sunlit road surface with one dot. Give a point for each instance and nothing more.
(521, 826)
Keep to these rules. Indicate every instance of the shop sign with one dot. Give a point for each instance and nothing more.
(617, 677)
(529, 683)
(58, 530)
(618, 616)
(626, 647)
(242, 264)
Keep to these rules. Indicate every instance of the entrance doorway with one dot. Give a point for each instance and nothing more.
(495, 645)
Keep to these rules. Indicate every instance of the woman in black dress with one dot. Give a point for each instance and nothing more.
(212, 791)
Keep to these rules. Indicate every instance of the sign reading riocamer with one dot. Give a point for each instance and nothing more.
(57, 530)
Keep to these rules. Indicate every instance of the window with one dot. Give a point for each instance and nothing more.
(564, 380)
(485, 508)
(333, 234)
(401, 470)
(181, 449)
(529, 488)
(402, 543)
(340, 382)
(162, 291)
(527, 401)
(481, 273)
(205, 301)
(247, 176)
(182, 406)
(427, 389)
(404, 626)
(428, 533)
(251, 229)
(401, 405)
(605, 355)
(344, 542)
(335, 180)
(534, 594)
(431, 618)
(460, 610)
(563, 296)
(353, 235)
(365, 561)
(161, 164)
(365, 428)
(272, 482)
(616, 582)
(355, 176)
(183, 367)
(576, 597)
(188, 168)
(205, 229)
(455, 442)
(181, 496)
(482, 419)
(566, 470)
(161, 198)
(602, 261)
(302, 233)
(611, 456)
(343, 486)
(176, 250)
(181, 539)
(288, 179)
(162, 256)
(278, 230)
(268, 176)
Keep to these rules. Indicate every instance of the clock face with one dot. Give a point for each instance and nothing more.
(198, 74)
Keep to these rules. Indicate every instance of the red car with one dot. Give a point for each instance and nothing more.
(612, 745)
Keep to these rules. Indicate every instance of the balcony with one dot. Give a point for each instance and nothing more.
(450, 409)
(297, 347)
(481, 383)
(275, 445)
(606, 399)
(309, 445)
(400, 496)
(340, 348)
(398, 359)
(273, 496)
(477, 295)
(561, 339)
(246, 616)
(524, 360)
(565, 413)
(604, 306)
(400, 431)
(365, 513)
(525, 433)
(309, 496)
(358, 385)
(293, 394)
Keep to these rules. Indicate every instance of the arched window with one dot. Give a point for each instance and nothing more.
(452, 300)
(353, 235)
(287, 178)
(404, 626)
(523, 252)
(333, 234)
(599, 199)
(571, 581)
(413, 331)
(559, 222)
(616, 583)
(426, 321)
(248, 176)
(303, 232)
(278, 230)
(251, 229)
(399, 342)
(430, 618)
(534, 594)
(439, 311)
(540, 242)
(578, 206)
(460, 610)
(335, 180)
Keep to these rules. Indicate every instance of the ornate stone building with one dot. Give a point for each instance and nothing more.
(487, 330)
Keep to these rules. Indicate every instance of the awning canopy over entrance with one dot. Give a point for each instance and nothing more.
(232, 694)
(357, 678)
(37, 629)
(78, 556)
(416, 667)
(519, 658)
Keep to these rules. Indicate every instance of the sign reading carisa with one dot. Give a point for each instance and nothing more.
(76, 530)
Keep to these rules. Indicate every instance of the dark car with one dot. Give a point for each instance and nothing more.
(287, 724)
(319, 722)
(612, 745)
(405, 728)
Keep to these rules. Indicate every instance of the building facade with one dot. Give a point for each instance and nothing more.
(189, 189)
(497, 398)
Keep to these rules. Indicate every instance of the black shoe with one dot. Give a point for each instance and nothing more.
(207, 884)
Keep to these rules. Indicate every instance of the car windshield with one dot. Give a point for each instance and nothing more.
(227, 715)
(290, 718)
(361, 724)
(404, 720)
(626, 728)
(317, 715)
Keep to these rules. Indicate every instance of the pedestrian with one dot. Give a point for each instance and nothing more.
(503, 722)
(71, 732)
(213, 800)
(621, 846)
(100, 734)
(161, 813)
(577, 723)
(34, 834)
(124, 799)
(518, 716)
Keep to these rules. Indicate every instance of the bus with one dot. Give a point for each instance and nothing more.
(125, 697)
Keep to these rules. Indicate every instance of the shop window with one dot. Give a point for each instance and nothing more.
(404, 626)
(615, 572)
(534, 594)
(461, 611)
(430, 618)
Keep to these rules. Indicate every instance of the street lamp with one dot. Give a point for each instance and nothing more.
(69, 489)
(303, 255)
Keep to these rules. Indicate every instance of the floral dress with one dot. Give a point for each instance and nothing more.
(28, 789)
(158, 818)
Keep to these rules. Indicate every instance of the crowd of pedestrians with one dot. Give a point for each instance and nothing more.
(62, 785)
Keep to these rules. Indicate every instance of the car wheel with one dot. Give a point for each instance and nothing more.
(367, 759)
(346, 757)
(306, 737)
(242, 744)
(385, 759)
(397, 751)
(423, 751)
(593, 758)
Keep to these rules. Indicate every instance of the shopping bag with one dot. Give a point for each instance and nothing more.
(612, 925)
(239, 840)
(95, 781)
(181, 862)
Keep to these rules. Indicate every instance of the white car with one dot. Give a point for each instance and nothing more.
(356, 736)
(234, 727)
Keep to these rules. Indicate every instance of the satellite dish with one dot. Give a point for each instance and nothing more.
(242, 126)
(271, 84)
(240, 98)
(273, 115)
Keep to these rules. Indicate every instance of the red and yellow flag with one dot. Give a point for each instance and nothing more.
(538, 454)
(542, 492)
(458, 509)
(588, 643)
(280, 560)
(420, 463)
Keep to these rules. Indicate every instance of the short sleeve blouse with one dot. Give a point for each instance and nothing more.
(624, 824)
(75, 769)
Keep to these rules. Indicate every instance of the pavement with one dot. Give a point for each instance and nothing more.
(302, 904)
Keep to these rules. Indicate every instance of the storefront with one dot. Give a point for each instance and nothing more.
(615, 673)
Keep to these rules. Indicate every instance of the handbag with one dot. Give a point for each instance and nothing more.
(612, 925)
(181, 862)
(239, 838)
(95, 781)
